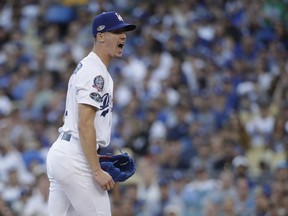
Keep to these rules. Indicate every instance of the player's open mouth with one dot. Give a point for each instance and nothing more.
(121, 45)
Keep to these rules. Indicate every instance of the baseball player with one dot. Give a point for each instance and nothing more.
(78, 185)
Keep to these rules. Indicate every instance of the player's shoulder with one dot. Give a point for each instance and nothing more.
(90, 64)
(88, 67)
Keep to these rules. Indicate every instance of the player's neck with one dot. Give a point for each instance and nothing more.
(103, 56)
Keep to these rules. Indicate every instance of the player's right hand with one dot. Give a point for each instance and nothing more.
(104, 179)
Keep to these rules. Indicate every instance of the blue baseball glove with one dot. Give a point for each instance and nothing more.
(120, 166)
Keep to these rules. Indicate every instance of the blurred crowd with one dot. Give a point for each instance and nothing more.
(200, 101)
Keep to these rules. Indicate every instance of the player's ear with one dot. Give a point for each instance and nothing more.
(100, 36)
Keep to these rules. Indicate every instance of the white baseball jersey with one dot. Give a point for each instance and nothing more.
(90, 84)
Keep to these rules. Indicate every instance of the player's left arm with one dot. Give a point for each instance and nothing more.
(87, 135)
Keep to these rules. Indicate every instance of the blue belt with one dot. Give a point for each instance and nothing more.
(66, 136)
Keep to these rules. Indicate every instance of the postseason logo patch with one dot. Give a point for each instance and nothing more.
(100, 28)
(96, 97)
(99, 83)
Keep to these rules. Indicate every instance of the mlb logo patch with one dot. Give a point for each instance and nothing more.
(95, 96)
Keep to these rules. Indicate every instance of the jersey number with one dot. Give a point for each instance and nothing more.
(79, 66)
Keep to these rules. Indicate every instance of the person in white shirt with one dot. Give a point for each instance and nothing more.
(77, 182)
(37, 204)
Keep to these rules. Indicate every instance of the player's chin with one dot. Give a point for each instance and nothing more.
(118, 54)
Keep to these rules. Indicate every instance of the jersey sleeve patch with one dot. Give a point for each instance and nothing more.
(96, 97)
(98, 83)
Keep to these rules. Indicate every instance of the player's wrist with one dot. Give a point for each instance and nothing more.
(97, 171)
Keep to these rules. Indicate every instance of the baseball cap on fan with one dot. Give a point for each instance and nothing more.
(110, 21)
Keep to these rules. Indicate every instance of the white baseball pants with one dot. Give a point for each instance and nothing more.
(73, 190)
